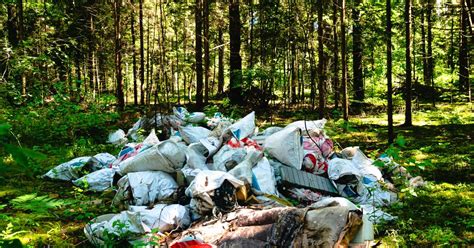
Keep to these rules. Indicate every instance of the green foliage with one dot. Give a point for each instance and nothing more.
(39, 205)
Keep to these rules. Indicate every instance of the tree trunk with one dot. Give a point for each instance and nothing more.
(207, 72)
(235, 85)
(91, 50)
(118, 56)
(430, 50)
(426, 76)
(464, 54)
(389, 71)
(345, 105)
(357, 56)
(294, 75)
(134, 54)
(142, 54)
(198, 54)
(321, 75)
(408, 116)
(336, 57)
(220, 77)
(12, 25)
(19, 6)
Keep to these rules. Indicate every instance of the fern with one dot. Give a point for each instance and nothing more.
(37, 204)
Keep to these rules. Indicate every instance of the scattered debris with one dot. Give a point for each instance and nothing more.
(236, 186)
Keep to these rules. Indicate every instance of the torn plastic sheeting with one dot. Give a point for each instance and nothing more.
(136, 222)
(264, 177)
(227, 158)
(192, 134)
(166, 156)
(370, 192)
(245, 127)
(145, 188)
(100, 180)
(286, 146)
(117, 138)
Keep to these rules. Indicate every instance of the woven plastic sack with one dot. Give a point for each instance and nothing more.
(286, 146)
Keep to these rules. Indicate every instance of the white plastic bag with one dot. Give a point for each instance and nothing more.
(310, 125)
(117, 138)
(228, 157)
(146, 187)
(365, 165)
(77, 167)
(245, 127)
(152, 139)
(338, 167)
(68, 170)
(166, 156)
(193, 134)
(99, 180)
(286, 146)
(201, 189)
(243, 171)
(264, 174)
(136, 222)
(195, 117)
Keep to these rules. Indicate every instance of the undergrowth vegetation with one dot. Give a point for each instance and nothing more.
(39, 212)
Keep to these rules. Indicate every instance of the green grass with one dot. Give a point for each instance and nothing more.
(41, 212)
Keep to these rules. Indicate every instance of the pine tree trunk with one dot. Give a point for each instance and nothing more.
(199, 72)
(134, 54)
(207, 72)
(345, 105)
(336, 56)
(321, 75)
(357, 56)
(408, 90)
(389, 71)
(12, 25)
(118, 56)
(235, 84)
(426, 76)
(464, 54)
(220, 77)
(430, 51)
(142, 55)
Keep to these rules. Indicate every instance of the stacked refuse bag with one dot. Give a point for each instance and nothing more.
(214, 168)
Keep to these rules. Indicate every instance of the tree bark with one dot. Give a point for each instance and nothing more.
(118, 56)
(408, 114)
(134, 54)
(389, 71)
(430, 50)
(142, 54)
(220, 77)
(207, 72)
(336, 57)
(345, 105)
(357, 56)
(12, 25)
(464, 54)
(426, 76)
(235, 84)
(321, 75)
(198, 53)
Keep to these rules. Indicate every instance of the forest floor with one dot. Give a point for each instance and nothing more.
(40, 212)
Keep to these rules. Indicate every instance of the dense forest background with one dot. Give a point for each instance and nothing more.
(392, 77)
(322, 54)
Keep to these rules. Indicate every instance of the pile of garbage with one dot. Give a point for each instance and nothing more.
(219, 182)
